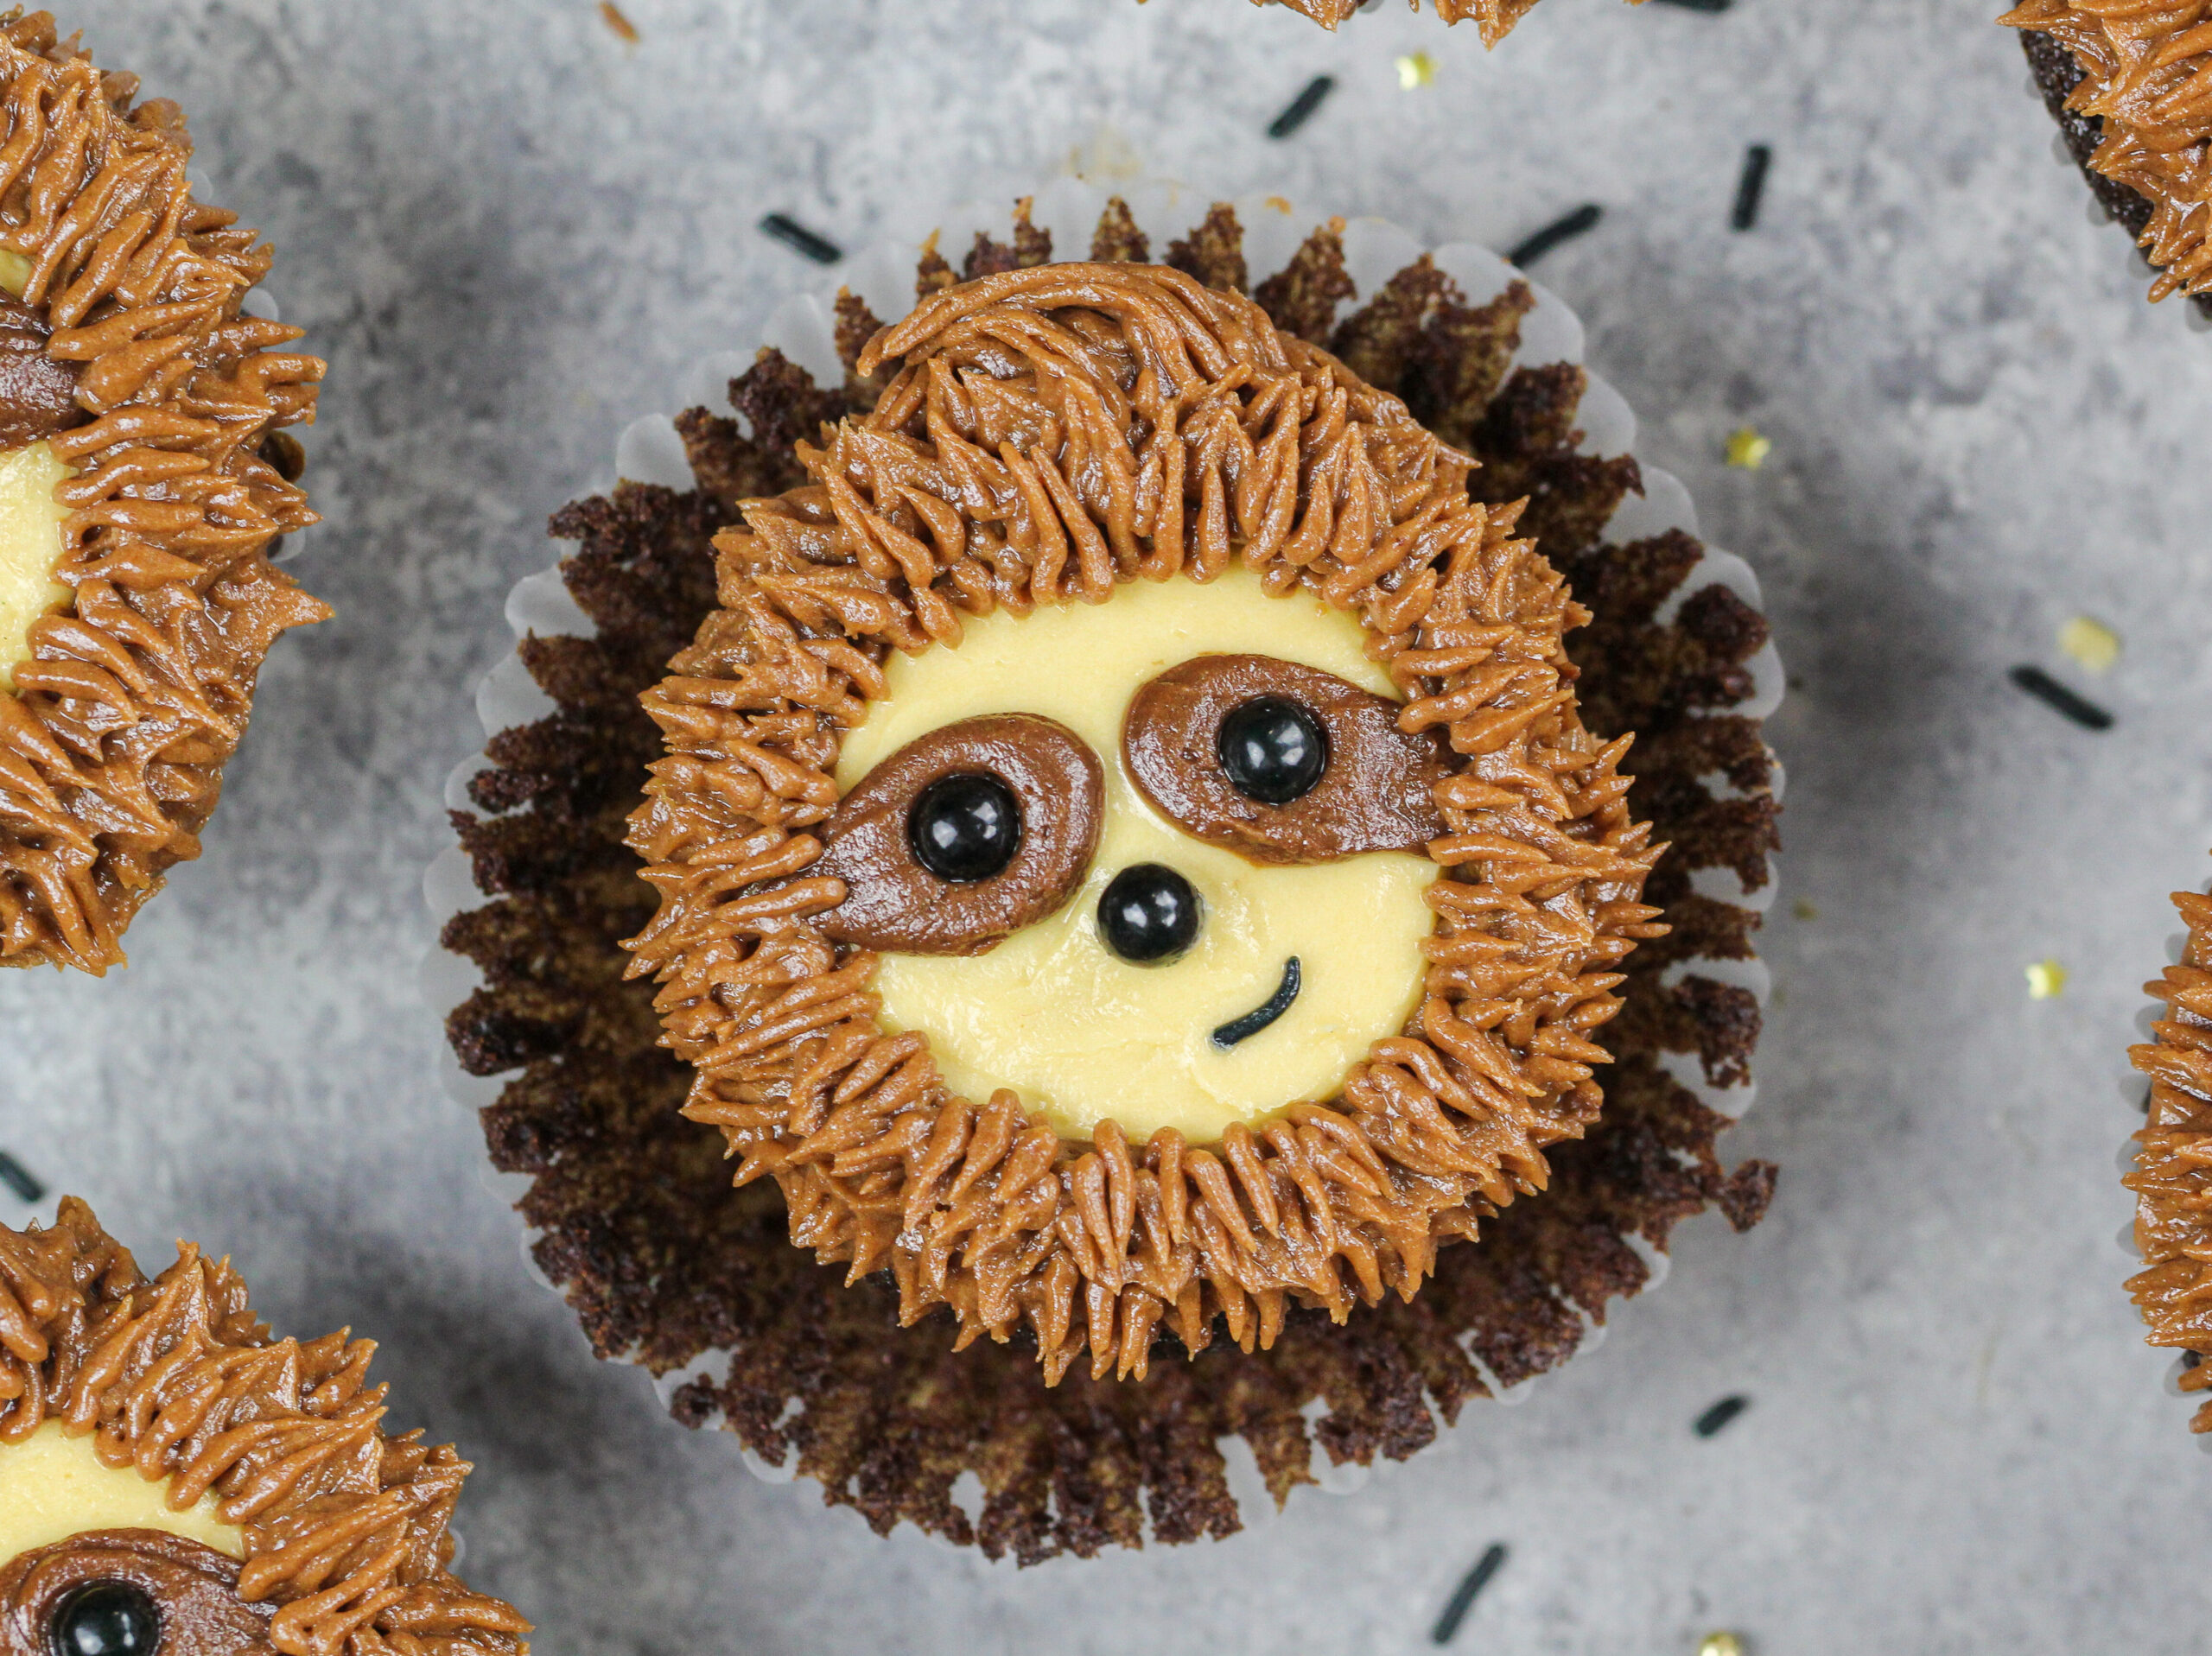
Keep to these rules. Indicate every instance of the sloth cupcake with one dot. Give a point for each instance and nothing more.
(173, 1480)
(1493, 18)
(2131, 89)
(144, 477)
(668, 1264)
(1129, 854)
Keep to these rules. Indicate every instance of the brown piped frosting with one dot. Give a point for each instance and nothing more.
(1493, 18)
(112, 744)
(666, 1265)
(2172, 1179)
(345, 1527)
(1050, 434)
(2144, 79)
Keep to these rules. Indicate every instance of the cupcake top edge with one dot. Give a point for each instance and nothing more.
(145, 477)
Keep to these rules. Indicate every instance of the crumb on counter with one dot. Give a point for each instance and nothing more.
(2090, 642)
(1747, 450)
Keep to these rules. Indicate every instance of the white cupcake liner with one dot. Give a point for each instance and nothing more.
(803, 327)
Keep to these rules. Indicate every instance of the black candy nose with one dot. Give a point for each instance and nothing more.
(1149, 914)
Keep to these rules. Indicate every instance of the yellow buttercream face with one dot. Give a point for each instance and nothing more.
(53, 1486)
(1080, 1034)
(30, 544)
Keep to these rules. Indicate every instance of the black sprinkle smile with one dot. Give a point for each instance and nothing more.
(1260, 1017)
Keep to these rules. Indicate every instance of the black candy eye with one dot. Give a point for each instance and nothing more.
(1149, 914)
(1272, 750)
(964, 829)
(106, 1618)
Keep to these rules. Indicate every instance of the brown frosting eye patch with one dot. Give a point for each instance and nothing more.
(1283, 763)
(127, 1593)
(964, 836)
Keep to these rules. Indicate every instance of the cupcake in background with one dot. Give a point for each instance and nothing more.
(2173, 1196)
(2127, 86)
(145, 476)
(174, 1480)
(1494, 19)
(667, 1265)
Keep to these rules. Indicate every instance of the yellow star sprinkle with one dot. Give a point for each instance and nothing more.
(1748, 450)
(1805, 911)
(2091, 642)
(2046, 980)
(1415, 70)
(1720, 1644)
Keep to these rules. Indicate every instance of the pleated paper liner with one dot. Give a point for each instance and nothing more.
(628, 1208)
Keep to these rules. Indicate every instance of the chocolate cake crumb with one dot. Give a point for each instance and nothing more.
(933, 273)
(1117, 239)
(2172, 1232)
(1526, 441)
(1751, 188)
(1717, 1419)
(662, 1262)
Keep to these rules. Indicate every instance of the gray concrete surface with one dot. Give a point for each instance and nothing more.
(509, 233)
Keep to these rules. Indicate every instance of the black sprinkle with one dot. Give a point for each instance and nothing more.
(1463, 1596)
(1580, 222)
(17, 1178)
(1702, 5)
(796, 236)
(1751, 186)
(1716, 1418)
(1259, 1018)
(2060, 700)
(1301, 108)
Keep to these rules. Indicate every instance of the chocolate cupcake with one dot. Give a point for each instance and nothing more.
(172, 1479)
(2173, 1216)
(2128, 89)
(1130, 852)
(144, 477)
(668, 1266)
(1493, 18)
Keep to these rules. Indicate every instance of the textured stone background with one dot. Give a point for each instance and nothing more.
(510, 233)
